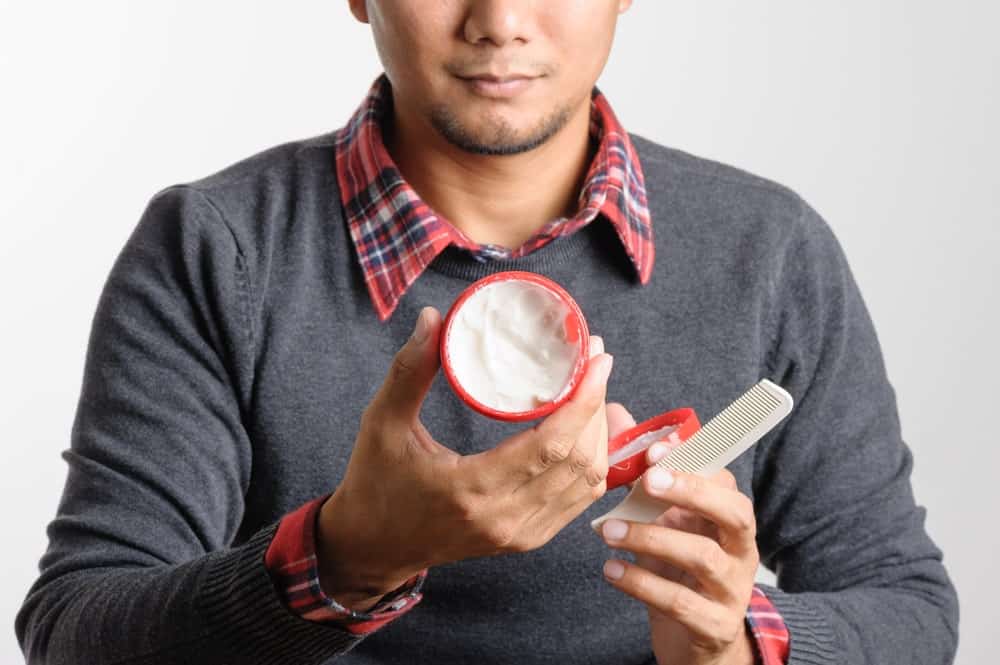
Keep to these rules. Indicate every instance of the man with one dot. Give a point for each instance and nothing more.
(266, 467)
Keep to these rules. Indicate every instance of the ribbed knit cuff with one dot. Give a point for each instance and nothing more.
(812, 639)
(245, 613)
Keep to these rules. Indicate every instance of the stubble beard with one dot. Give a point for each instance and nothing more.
(498, 137)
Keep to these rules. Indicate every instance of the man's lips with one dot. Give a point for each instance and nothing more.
(495, 78)
(497, 86)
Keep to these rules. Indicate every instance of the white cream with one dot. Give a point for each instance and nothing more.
(667, 435)
(507, 346)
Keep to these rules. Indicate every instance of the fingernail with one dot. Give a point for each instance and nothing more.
(657, 451)
(660, 479)
(613, 570)
(596, 346)
(605, 369)
(421, 330)
(614, 529)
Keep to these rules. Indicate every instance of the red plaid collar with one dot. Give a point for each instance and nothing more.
(397, 235)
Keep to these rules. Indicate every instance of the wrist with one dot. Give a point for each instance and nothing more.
(354, 570)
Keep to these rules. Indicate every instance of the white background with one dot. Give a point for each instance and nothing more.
(882, 114)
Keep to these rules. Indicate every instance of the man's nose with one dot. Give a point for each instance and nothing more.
(499, 22)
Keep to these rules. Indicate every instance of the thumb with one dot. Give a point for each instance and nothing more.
(412, 371)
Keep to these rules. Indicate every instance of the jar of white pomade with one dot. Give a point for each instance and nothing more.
(515, 346)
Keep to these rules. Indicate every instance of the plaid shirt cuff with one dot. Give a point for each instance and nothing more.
(291, 563)
(770, 634)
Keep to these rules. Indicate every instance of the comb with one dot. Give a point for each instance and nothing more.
(724, 438)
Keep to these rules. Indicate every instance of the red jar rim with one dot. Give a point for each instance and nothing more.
(576, 331)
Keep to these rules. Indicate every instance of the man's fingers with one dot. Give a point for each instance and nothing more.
(579, 481)
(707, 621)
(564, 427)
(596, 345)
(655, 453)
(731, 511)
(685, 520)
(725, 478)
(532, 452)
(697, 555)
(583, 468)
(587, 460)
(562, 492)
(412, 371)
(593, 440)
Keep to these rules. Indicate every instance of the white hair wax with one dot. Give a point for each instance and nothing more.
(513, 345)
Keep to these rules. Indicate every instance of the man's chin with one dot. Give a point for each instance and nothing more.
(496, 138)
(494, 145)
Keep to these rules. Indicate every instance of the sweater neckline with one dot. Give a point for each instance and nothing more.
(461, 264)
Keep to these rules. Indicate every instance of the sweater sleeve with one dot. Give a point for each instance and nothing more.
(859, 580)
(142, 565)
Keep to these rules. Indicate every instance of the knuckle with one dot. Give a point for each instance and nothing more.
(744, 518)
(642, 539)
(500, 535)
(688, 483)
(727, 479)
(579, 462)
(465, 509)
(596, 475)
(680, 602)
(694, 484)
(400, 367)
(554, 451)
(730, 627)
(475, 486)
(638, 584)
(722, 631)
(712, 560)
(598, 490)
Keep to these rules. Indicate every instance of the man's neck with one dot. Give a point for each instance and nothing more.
(500, 200)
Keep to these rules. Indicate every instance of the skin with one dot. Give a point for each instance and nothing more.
(408, 502)
(499, 168)
(695, 565)
(426, 47)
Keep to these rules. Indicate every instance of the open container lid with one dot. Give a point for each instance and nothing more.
(626, 462)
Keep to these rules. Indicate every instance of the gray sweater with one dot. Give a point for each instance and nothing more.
(234, 348)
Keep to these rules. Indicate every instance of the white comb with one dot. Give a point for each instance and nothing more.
(723, 439)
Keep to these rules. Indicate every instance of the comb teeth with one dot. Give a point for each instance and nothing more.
(725, 430)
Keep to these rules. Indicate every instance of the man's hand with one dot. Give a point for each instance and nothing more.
(695, 565)
(406, 502)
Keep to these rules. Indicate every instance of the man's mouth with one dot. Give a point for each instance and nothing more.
(498, 86)
(495, 78)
